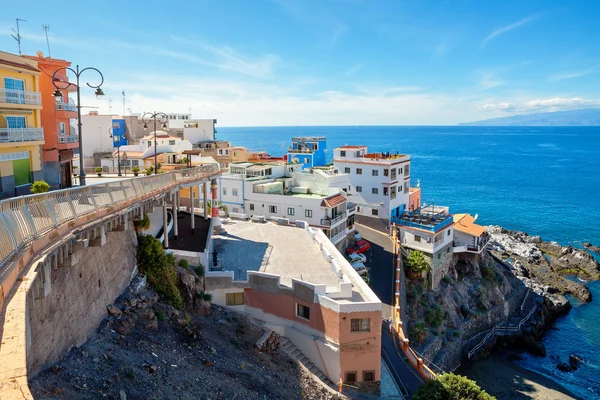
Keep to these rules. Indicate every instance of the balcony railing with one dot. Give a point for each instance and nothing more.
(425, 222)
(8, 135)
(333, 221)
(66, 107)
(337, 238)
(68, 138)
(13, 96)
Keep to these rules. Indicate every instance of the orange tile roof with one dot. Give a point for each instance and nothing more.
(466, 223)
(333, 201)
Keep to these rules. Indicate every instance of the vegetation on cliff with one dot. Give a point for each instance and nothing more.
(451, 387)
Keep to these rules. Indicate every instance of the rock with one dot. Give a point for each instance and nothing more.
(534, 346)
(591, 247)
(574, 361)
(122, 395)
(268, 342)
(151, 325)
(564, 367)
(124, 325)
(150, 368)
(113, 310)
(189, 285)
(147, 315)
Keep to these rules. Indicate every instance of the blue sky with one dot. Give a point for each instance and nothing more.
(329, 62)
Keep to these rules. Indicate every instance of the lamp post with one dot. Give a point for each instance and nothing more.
(146, 119)
(58, 96)
(118, 150)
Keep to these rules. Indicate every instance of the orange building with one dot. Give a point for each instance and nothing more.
(59, 120)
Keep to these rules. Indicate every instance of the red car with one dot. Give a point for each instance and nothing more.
(359, 247)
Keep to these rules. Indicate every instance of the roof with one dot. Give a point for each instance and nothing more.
(412, 189)
(18, 65)
(333, 201)
(466, 223)
(351, 147)
(160, 134)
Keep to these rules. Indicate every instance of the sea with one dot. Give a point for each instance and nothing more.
(541, 180)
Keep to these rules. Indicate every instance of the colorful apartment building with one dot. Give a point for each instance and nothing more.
(59, 120)
(21, 132)
(309, 152)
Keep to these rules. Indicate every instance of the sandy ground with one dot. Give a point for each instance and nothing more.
(506, 380)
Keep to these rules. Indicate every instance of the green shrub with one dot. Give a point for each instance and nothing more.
(150, 170)
(135, 169)
(206, 296)
(142, 224)
(417, 332)
(446, 279)
(159, 268)
(184, 263)
(99, 170)
(199, 270)
(488, 273)
(161, 316)
(39, 187)
(434, 316)
(451, 387)
(417, 262)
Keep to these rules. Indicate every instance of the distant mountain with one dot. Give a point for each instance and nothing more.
(586, 117)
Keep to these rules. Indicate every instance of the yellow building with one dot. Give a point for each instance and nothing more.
(21, 135)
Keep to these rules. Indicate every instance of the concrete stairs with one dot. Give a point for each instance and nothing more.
(291, 350)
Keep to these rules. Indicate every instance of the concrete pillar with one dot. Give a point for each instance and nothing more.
(100, 237)
(205, 191)
(193, 220)
(175, 208)
(165, 224)
(215, 207)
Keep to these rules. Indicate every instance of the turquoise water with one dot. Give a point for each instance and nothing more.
(542, 180)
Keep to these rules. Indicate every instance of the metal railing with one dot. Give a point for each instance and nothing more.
(67, 138)
(23, 219)
(8, 135)
(13, 96)
(333, 221)
(66, 107)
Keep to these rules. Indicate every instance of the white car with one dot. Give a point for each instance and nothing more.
(357, 236)
(357, 257)
(360, 268)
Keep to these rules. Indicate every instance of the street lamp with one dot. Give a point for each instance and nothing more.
(146, 119)
(118, 150)
(58, 97)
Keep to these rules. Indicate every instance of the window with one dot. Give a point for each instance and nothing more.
(405, 187)
(14, 90)
(308, 213)
(358, 171)
(306, 160)
(351, 377)
(251, 207)
(385, 191)
(400, 169)
(224, 191)
(399, 188)
(386, 172)
(417, 238)
(376, 172)
(149, 143)
(449, 232)
(15, 122)
(346, 170)
(171, 142)
(393, 173)
(61, 126)
(368, 376)
(234, 299)
(290, 211)
(374, 211)
(439, 256)
(358, 189)
(234, 192)
(375, 191)
(273, 209)
(342, 153)
(360, 325)
(302, 311)
(407, 170)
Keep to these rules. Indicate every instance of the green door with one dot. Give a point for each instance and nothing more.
(21, 171)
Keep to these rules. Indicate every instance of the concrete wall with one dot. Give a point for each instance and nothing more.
(77, 302)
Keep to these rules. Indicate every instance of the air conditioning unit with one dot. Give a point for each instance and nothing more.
(62, 139)
(259, 218)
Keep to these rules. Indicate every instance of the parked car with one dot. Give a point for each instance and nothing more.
(361, 269)
(360, 247)
(357, 236)
(357, 256)
(366, 279)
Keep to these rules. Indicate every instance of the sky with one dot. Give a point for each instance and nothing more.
(323, 62)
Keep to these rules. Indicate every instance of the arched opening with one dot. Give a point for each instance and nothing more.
(3, 123)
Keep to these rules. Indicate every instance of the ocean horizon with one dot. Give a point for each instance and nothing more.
(541, 180)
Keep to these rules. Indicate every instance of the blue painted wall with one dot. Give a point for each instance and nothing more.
(118, 132)
(315, 158)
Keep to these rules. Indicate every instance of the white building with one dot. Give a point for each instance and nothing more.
(96, 136)
(380, 182)
(198, 130)
(175, 120)
(468, 236)
(277, 190)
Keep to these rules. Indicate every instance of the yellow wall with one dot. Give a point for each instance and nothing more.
(35, 162)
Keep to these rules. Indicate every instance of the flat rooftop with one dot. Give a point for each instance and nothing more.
(286, 251)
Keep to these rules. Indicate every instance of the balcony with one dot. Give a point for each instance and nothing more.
(333, 221)
(471, 248)
(351, 208)
(427, 222)
(15, 135)
(339, 237)
(67, 138)
(66, 107)
(12, 96)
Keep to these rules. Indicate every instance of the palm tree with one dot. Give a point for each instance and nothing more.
(220, 206)
(417, 263)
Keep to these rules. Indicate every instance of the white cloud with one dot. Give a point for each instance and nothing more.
(509, 28)
(354, 69)
(487, 80)
(542, 105)
(573, 74)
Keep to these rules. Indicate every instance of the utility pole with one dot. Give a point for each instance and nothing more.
(46, 28)
(18, 32)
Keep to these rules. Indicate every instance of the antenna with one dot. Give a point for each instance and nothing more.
(46, 28)
(18, 32)
(123, 102)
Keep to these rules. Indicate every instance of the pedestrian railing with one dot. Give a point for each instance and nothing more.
(23, 219)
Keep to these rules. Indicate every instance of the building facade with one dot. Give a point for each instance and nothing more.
(308, 152)
(59, 120)
(197, 130)
(21, 132)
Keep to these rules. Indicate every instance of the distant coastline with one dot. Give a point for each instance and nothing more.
(584, 117)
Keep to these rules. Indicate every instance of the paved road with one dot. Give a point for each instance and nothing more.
(406, 376)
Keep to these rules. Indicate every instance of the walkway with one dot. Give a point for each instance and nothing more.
(406, 376)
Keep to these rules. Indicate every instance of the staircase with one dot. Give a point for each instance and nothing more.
(290, 349)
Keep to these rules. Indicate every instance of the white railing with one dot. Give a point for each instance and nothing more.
(25, 218)
(68, 138)
(8, 135)
(66, 107)
(13, 96)
(338, 237)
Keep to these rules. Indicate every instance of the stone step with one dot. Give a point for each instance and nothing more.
(304, 360)
(296, 353)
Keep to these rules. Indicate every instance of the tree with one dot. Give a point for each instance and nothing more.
(451, 387)
(39, 187)
(220, 206)
(417, 263)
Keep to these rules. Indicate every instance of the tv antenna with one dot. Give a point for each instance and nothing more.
(123, 102)
(46, 28)
(18, 32)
